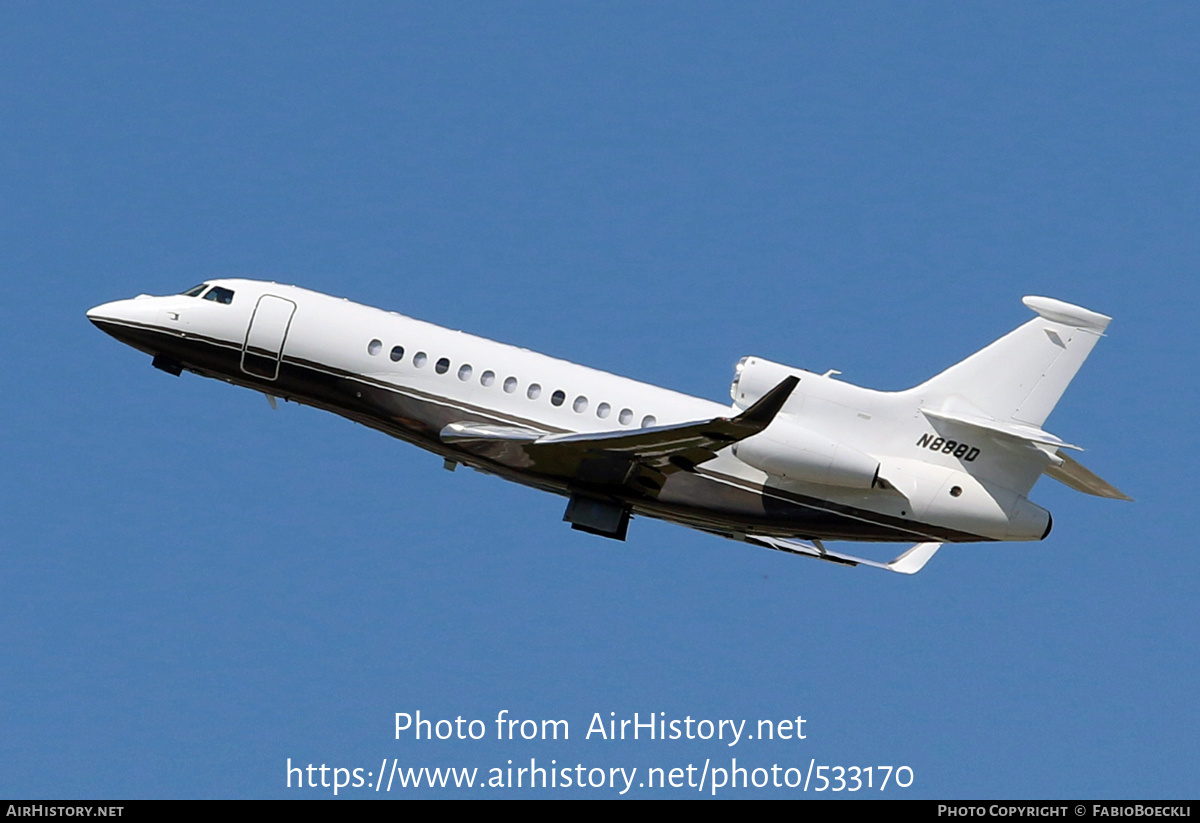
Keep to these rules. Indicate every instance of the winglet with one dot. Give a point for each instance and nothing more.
(913, 560)
(766, 407)
(910, 562)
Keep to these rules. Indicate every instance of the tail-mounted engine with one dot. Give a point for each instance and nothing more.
(791, 448)
(790, 451)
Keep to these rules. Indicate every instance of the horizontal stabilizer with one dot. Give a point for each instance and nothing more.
(1019, 431)
(1073, 474)
(910, 562)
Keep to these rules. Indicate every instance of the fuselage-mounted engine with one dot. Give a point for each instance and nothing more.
(790, 449)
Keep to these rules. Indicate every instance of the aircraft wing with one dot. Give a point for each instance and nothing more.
(614, 457)
(910, 562)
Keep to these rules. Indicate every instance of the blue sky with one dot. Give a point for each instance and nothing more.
(198, 588)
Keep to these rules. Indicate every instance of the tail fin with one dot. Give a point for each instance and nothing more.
(1020, 378)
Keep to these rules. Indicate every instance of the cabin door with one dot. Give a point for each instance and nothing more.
(266, 335)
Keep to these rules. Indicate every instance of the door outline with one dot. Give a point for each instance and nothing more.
(266, 336)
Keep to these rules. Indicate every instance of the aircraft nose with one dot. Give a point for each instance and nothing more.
(102, 312)
(140, 309)
(120, 317)
(107, 316)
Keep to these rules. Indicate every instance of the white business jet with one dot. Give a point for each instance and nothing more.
(799, 458)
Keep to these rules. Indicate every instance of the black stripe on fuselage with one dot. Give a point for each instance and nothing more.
(700, 498)
(153, 340)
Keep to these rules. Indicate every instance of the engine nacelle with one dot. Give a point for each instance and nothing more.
(790, 448)
(753, 377)
(793, 452)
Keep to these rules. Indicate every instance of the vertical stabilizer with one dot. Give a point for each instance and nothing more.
(1021, 376)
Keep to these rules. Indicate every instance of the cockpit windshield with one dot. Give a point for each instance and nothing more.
(217, 294)
(220, 295)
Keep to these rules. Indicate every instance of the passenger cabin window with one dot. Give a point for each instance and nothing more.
(374, 347)
(648, 421)
(487, 378)
(626, 416)
(419, 359)
(603, 410)
(510, 384)
(464, 372)
(442, 366)
(534, 391)
(580, 404)
(219, 295)
(397, 354)
(558, 397)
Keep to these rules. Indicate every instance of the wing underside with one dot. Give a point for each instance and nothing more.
(910, 562)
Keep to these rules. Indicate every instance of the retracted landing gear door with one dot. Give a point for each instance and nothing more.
(266, 335)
